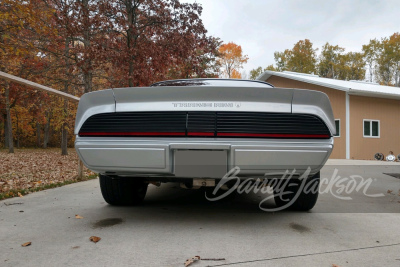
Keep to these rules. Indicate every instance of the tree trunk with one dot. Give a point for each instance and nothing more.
(87, 67)
(17, 132)
(51, 132)
(397, 77)
(38, 130)
(130, 79)
(64, 130)
(9, 123)
(46, 130)
(370, 73)
(87, 79)
(131, 10)
(5, 131)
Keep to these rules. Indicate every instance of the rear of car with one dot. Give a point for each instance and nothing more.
(202, 128)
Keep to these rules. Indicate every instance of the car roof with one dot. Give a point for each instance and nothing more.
(213, 82)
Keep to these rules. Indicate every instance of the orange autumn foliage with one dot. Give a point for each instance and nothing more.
(231, 59)
(236, 75)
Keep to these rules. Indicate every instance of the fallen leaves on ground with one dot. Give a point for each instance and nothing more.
(390, 192)
(94, 239)
(30, 168)
(191, 260)
(27, 244)
(20, 195)
(78, 216)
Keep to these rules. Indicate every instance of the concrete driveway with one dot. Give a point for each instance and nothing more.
(175, 224)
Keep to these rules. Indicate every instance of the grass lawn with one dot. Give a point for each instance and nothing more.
(31, 170)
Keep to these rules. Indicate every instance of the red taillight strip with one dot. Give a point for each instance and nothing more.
(204, 134)
(200, 134)
(132, 134)
(274, 135)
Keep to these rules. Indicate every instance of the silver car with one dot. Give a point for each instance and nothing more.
(195, 131)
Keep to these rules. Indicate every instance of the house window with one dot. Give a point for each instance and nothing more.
(337, 124)
(371, 128)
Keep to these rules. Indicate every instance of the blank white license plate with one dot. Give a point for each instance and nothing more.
(200, 163)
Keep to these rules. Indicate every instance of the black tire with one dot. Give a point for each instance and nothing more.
(122, 191)
(307, 197)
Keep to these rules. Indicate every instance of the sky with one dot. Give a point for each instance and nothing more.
(262, 27)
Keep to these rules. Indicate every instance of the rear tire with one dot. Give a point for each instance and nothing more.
(122, 191)
(306, 199)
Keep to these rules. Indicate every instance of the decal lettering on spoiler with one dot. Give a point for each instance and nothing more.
(206, 105)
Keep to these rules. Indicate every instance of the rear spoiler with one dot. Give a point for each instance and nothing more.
(252, 99)
(314, 102)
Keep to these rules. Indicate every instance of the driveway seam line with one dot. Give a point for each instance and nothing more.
(305, 255)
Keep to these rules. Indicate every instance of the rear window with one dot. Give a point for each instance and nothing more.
(213, 82)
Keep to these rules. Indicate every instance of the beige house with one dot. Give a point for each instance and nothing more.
(367, 115)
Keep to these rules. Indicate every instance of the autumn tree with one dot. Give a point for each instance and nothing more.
(351, 66)
(335, 64)
(281, 59)
(77, 46)
(370, 53)
(14, 53)
(236, 74)
(270, 67)
(59, 44)
(72, 44)
(387, 69)
(254, 73)
(57, 32)
(231, 59)
(148, 38)
(301, 58)
(90, 34)
(201, 62)
(20, 57)
(7, 53)
(329, 60)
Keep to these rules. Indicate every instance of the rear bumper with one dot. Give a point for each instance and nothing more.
(155, 156)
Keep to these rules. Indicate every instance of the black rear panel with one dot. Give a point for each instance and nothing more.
(274, 123)
(206, 124)
(201, 122)
(135, 122)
